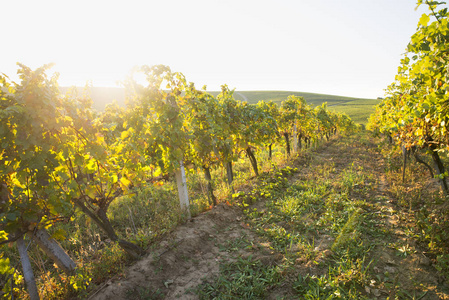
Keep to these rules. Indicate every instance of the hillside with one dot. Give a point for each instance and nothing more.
(358, 109)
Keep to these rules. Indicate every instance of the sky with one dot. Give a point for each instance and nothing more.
(339, 47)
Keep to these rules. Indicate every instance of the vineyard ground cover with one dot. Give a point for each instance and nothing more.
(334, 224)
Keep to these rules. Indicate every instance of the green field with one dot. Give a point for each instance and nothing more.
(279, 96)
(357, 108)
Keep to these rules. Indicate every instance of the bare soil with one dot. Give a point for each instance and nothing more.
(183, 260)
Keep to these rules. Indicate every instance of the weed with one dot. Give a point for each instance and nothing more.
(144, 293)
(349, 230)
(243, 279)
(235, 244)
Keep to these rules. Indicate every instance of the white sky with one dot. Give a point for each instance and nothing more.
(339, 47)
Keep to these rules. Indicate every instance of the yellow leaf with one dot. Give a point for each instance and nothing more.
(3, 235)
(124, 183)
(124, 135)
(419, 132)
(424, 20)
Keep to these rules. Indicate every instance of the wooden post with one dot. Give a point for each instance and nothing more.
(180, 176)
(27, 270)
(54, 251)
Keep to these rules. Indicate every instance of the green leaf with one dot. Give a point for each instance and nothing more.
(11, 216)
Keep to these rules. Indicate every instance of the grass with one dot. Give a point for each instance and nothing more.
(295, 216)
(243, 279)
(325, 227)
(358, 110)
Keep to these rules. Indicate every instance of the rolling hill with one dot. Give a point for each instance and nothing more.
(358, 109)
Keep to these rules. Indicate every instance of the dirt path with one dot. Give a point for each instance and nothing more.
(183, 259)
(192, 254)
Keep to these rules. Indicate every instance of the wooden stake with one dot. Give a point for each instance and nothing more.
(181, 181)
(27, 270)
(54, 251)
